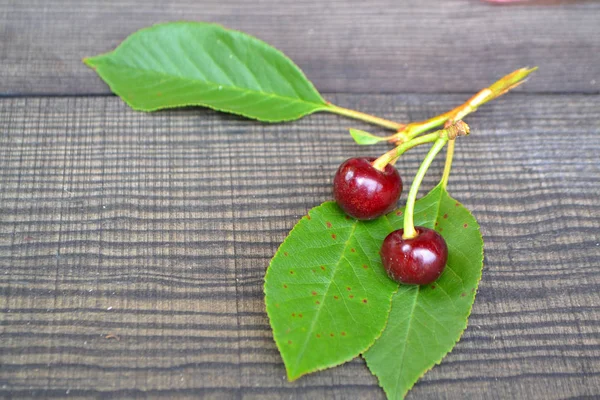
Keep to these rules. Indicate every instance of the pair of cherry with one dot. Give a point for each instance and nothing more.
(366, 193)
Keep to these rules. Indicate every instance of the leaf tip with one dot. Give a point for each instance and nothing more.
(291, 375)
(90, 62)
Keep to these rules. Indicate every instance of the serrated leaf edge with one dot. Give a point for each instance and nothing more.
(317, 369)
(438, 362)
(89, 61)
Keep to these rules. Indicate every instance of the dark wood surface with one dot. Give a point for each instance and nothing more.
(343, 45)
(133, 246)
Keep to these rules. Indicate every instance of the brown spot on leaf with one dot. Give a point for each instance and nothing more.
(284, 286)
(351, 296)
(328, 224)
(318, 335)
(333, 236)
(313, 293)
(277, 305)
(343, 333)
(353, 250)
(335, 297)
(436, 224)
(307, 216)
(365, 301)
(285, 253)
(299, 315)
(158, 94)
(317, 302)
(465, 225)
(331, 334)
(348, 288)
(398, 213)
(433, 286)
(463, 294)
(314, 271)
(445, 216)
(293, 314)
(472, 290)
(289, 342)
(323, 267)
(441, 229)
(291, 272)
(457, 205)
(365, 266)
(347, 217)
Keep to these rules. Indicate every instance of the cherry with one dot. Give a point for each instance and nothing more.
(363, 191)
(416, 261)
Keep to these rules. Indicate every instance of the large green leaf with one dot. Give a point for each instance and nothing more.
(327, 294)
(189, 63)
(426, 321)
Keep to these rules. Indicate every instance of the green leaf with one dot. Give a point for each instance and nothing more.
(327, 294)
(364, 138)
(426, 321)
(189, 63)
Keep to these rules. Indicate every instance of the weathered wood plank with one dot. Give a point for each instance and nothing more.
(157, 228)
(343, 46)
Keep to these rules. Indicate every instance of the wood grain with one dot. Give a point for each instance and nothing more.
(133, 247)
(343, 46)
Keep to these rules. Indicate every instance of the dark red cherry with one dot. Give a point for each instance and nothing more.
(363, 191)
(416, 261)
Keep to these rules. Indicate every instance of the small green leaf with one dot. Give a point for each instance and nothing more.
(189, 63)
(327, 294)
(364, 138)
(426, 321)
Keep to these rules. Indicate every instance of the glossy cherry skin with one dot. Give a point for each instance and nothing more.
(417, 261)
(364, 192)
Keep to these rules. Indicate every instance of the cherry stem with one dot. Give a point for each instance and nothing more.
(448, 165)
(450, 132)
(409, 226)
(365, 117)
(497, 89)
(391, 156)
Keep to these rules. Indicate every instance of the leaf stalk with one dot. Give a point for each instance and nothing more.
(496, 90)
(365, 117)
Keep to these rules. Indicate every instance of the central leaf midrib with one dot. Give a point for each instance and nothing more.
(209, 83)
(312, 325)
(412, 311)
(414, 305)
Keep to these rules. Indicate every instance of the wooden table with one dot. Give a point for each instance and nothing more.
(133, 246)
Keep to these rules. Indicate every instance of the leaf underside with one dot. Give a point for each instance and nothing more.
(192, 63)
(326, 292)
(426, 321)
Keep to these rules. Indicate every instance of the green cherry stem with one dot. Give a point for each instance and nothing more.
(448, 165)
(409, 225)
(393, 154)
(444, 135)
(364, 117)
(450, 132)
